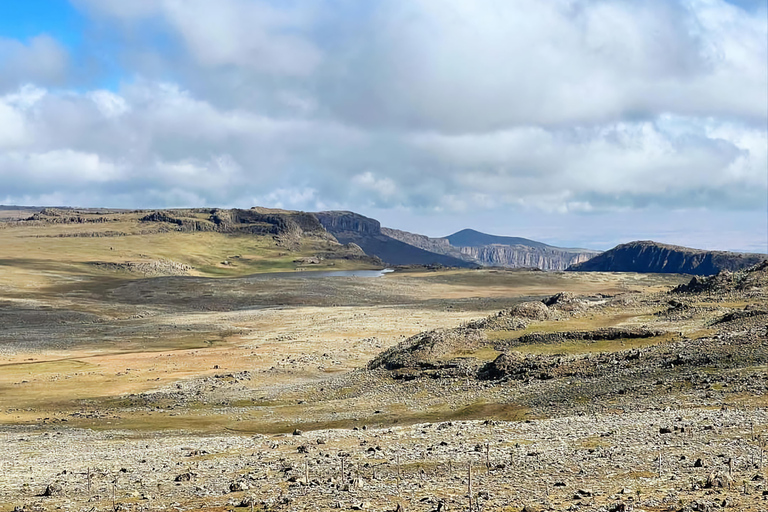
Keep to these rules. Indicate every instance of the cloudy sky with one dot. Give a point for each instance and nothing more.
(575, 122)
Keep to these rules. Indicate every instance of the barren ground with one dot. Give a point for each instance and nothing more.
(125, 392)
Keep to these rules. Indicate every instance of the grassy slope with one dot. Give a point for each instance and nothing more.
(34, 251)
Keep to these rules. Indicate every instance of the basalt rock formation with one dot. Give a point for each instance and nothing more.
(496, 251)
(648, 256)
(349, 227)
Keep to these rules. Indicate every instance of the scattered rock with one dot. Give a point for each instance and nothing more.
(53, 489)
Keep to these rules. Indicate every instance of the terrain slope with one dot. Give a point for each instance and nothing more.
(647, 256)
(349, 227)
(202, 241)
(496, 251)
(133, 377)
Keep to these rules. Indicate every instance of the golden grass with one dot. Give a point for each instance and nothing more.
(38, 253)
(58, 272)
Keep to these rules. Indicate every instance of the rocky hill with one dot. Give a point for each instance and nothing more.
(496, 251)
(349, 227)
(648, 256)
(191, 240)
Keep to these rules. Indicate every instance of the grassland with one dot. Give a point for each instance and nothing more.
(105, 368)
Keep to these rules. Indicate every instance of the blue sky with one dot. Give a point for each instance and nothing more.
(24, 19)
(576, 123)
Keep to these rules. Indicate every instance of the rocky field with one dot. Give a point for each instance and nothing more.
(421, 390)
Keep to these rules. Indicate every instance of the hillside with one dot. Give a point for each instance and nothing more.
(496, 251)
(649, 256)
(349, 227)
(437, 245)
(198, 241)
(472, 238)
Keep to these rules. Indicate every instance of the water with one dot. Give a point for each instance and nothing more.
(323, 273)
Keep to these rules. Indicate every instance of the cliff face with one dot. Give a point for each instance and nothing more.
(522, 256)
(436, 245)
(521, 253)
(349, 222)
(350, 227)
(647, 256)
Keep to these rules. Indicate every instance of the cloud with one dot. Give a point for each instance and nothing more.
(158, 136)
(578, 107)
(41, 60)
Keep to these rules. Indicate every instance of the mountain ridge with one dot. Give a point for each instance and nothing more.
(655, 257)
(517, 252)
(349, 227)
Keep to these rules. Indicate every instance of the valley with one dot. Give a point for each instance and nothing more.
(139, 372)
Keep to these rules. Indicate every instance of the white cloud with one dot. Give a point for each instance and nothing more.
(571, 106)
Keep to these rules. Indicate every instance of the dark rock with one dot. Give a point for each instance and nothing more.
(53, 489)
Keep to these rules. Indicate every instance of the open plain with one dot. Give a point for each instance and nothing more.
(145, 367)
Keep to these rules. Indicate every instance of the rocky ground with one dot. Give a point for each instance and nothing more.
(665, 459)
(613, 399)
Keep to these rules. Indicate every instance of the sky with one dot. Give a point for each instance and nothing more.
(580, 123)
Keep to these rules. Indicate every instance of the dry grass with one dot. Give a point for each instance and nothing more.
(49, 257)
(279, 346)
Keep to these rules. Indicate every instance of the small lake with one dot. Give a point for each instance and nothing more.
(311, 274)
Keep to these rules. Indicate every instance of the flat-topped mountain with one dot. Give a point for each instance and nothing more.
(192, 241)
(649, 256)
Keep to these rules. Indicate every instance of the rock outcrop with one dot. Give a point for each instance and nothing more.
(751, 279)
(349, 227)
(648, 256)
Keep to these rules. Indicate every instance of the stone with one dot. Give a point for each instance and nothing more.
(53, 489)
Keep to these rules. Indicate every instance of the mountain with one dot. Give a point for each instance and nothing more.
(191, 241)
(472, 238)
(349, 227)
(648, 256)
(437, 245)
(497, 251)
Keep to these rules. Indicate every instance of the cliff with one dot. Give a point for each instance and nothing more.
(349, 227)
(497, 251)
(648, 256)
(436, 245)
(545, 258)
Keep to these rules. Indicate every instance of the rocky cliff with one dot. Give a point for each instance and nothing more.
(545, 258)
(648, 256)
(349, 222)
(349, 227)
(436, 245)
(496, 251)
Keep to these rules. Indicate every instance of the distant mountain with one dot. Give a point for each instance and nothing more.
(497, 251)
(349, 227)
(648, 256)
(472, 238)
(437, 245)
